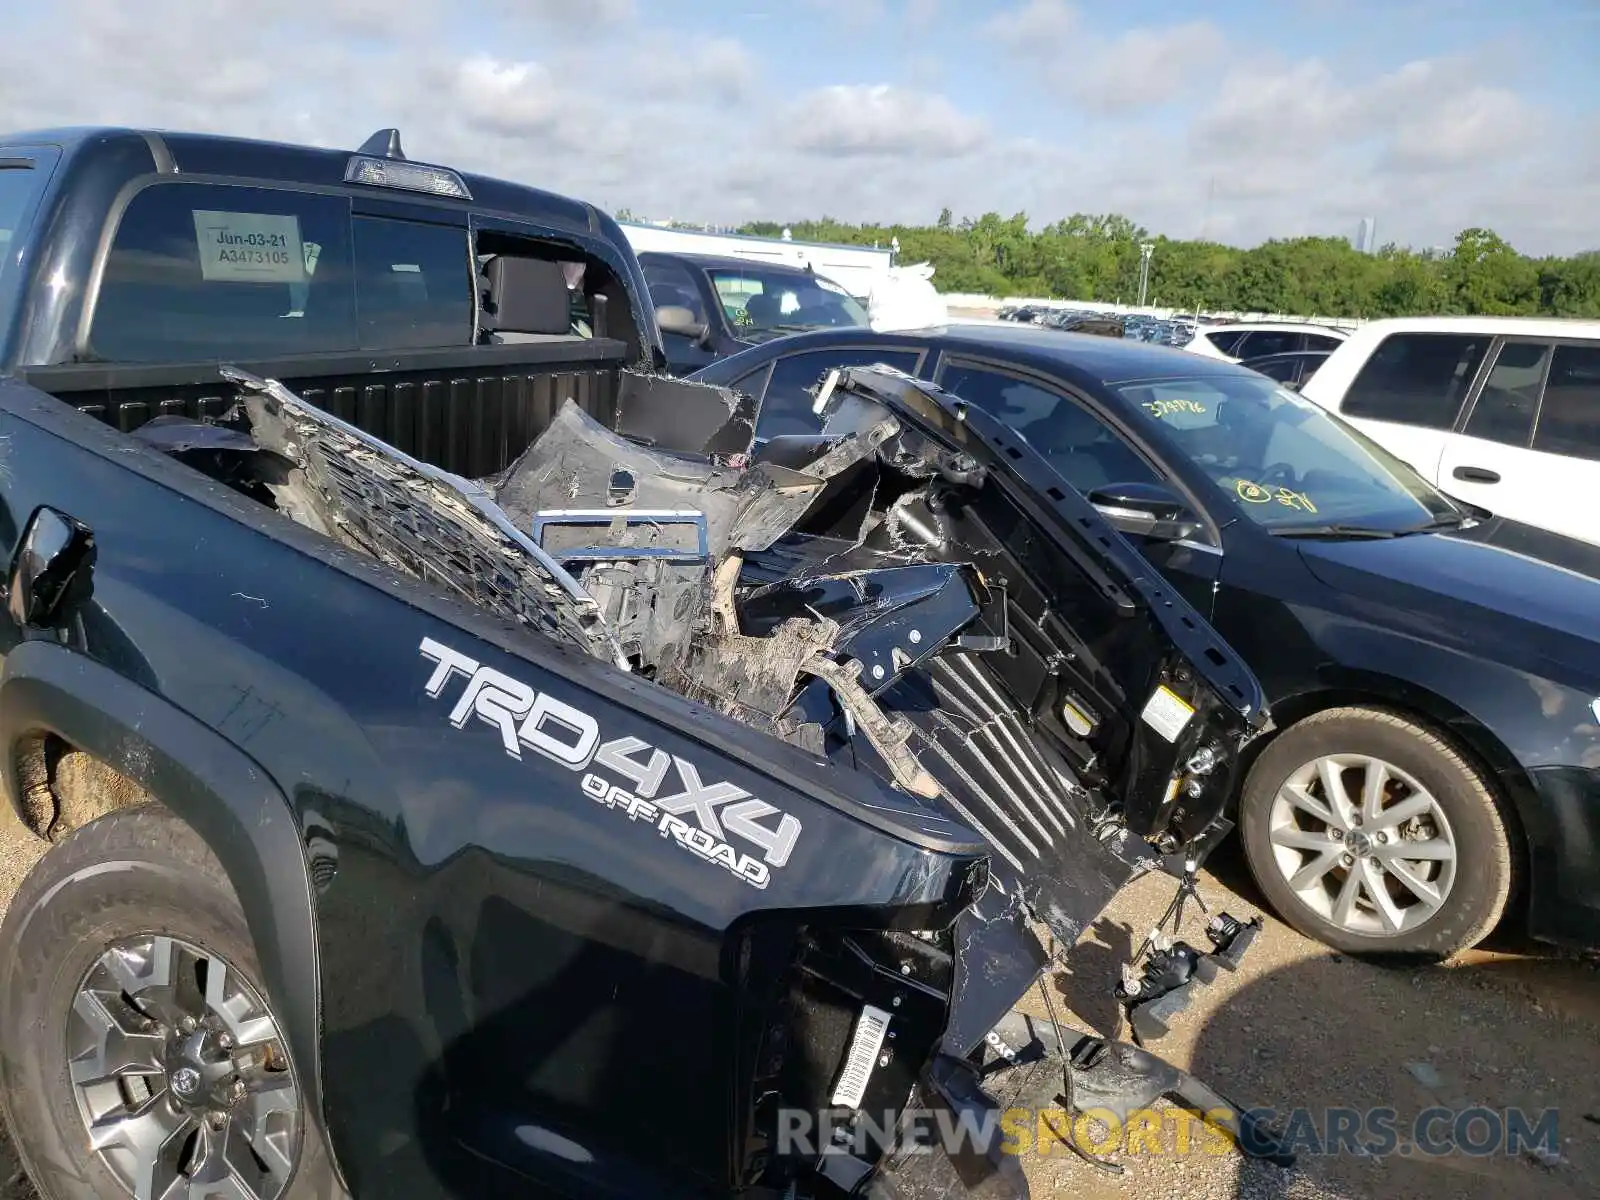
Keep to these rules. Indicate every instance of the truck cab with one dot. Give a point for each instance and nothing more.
(441, 311)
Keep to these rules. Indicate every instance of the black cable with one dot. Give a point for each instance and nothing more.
(1066, 1085)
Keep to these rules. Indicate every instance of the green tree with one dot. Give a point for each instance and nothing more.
(1089, 256)
(1485, 275)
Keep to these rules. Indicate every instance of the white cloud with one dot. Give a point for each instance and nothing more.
(1145, 67)
(1042, 106)
(717, 68)
(1036, 27)
(513, 99)
(864, 119)
(1141, 67)
(575, 14)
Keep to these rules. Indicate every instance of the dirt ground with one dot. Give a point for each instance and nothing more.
(1301, 1027)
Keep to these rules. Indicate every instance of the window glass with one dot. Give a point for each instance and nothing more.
(1569, 419)
(786, 408)
(1226, 340)
(1282, 460)
(200, 271)
(1284, 370)
(1417, 379)
(19, 187)
(1503, 411)
(1081, 448)
(1321, 341)
(671, 283)
(1266, 341)
(759, 301)
(750, 382)
(413, 284)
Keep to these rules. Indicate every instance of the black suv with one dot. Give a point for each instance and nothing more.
(709, 306)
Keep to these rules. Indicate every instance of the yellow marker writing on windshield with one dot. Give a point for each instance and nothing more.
(1295, 499)
(1252, 492)
(1165, 408)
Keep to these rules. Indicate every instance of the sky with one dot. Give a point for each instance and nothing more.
(1236, 120)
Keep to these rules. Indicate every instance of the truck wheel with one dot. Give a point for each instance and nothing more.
(139, 1055)
(1372, 835)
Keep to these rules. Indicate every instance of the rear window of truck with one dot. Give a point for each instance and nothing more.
(204, 271)
(19, 186)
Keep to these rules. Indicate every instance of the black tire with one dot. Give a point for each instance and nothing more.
(1485, 862)
(68, 910)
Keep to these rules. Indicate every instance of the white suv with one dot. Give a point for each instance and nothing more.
(1238, 342)
(1503, 412)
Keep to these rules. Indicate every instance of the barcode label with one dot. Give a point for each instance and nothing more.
(871, 1027)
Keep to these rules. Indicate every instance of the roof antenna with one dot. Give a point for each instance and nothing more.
(383, 144)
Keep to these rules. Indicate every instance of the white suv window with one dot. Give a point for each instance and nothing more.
(1503, 411)
(1226, 340)
(1417, 379)
(1569, 418)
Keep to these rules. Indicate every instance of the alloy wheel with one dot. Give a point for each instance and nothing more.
(181, 1076)
(1363, 844)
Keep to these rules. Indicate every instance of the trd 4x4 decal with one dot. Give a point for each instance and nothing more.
(700, 817)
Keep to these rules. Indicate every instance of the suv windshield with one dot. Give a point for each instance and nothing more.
(757, 301)
(1284, 461)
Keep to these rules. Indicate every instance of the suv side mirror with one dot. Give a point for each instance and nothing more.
(675, 318)
(1151, 510)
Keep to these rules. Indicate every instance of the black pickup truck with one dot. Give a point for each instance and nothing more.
(471, 767)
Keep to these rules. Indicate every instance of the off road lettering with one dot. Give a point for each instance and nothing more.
(710, 820)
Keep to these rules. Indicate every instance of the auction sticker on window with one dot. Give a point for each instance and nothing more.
(249, 247)
(1167, 713)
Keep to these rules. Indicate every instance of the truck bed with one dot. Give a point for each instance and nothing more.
(470, 411)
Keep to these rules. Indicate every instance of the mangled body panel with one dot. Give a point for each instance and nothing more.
(901, 594)
(878, 594)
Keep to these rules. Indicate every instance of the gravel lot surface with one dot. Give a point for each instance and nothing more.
(1301, 1026)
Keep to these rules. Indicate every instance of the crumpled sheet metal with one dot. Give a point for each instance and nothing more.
(434, 526)
(569, 466)
(682, 415)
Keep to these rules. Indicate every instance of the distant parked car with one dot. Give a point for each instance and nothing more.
(1291, 369)
(1500, 411)
(1434, 670)
(1258, 339)
(709, 306)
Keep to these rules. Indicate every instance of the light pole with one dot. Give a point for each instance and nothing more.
(1146, 249)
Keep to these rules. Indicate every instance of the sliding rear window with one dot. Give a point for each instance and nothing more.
(207, 272)
(20, 182)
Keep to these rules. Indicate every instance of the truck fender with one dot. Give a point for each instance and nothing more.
(204, 780)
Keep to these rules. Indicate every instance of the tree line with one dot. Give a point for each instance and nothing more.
(1096, 258)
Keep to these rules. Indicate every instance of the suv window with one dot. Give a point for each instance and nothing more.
(1503, 411)
(1226, 341)
(1266, 341)
(1569, 419)
(1417, 379)
(199, 270)
(786, 407)
(1081, 447)
(1322, 342)
(673, 283)
(413, 284)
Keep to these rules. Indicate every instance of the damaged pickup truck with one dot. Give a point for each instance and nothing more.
(473, 768)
